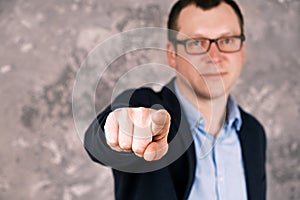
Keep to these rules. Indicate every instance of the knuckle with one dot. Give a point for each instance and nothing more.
(111, 117)
(140, 116)
(125, 131)
(160, 129)
(111, 124)
(138, 149)
(165, 130)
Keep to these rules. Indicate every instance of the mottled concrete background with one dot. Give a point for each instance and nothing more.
(42, 46)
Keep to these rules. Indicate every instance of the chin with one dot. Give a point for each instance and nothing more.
(212, 94)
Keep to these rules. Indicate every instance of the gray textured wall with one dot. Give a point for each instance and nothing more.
(42, 46)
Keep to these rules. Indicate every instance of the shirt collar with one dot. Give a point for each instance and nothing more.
(233, 118)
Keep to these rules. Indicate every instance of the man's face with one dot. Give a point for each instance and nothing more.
(210, 75)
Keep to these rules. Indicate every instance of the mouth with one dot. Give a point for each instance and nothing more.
(214, 75)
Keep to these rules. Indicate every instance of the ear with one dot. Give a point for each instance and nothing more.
(171, 55)
(243, 53)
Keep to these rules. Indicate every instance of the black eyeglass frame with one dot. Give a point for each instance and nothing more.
(183, 42)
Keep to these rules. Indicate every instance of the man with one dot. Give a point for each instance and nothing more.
(226, 159)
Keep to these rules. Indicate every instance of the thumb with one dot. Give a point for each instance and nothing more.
(160, 122)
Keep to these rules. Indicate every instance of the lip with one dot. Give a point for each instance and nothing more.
(216, 75)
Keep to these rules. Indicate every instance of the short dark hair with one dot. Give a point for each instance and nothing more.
(205, 5)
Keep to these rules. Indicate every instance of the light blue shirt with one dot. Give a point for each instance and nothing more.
(219, 165)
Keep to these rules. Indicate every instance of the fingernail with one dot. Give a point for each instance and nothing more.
(118, 149)
(139, 155)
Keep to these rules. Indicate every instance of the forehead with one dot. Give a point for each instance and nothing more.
(212, 23)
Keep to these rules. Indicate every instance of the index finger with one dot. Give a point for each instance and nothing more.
(160, 121)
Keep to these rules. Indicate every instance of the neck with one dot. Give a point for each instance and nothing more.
(213, 109)
(214, 112)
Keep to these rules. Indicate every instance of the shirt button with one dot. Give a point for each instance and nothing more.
(221, 179)
(201, 121)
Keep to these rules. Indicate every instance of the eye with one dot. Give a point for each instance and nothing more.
(195, 43)
(228, 40)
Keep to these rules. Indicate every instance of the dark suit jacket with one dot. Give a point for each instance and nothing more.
(136, 179)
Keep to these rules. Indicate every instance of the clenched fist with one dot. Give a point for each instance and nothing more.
(141, 130)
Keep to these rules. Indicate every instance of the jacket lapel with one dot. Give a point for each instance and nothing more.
(252, 163)
(185, 140)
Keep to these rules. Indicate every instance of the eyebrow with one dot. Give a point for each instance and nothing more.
(198, 35)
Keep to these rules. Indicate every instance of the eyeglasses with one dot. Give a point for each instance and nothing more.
(202, 45)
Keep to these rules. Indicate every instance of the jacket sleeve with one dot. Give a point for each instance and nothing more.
(95, 141)
(179, 137)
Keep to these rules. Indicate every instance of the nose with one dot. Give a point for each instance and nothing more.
(214, 53)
